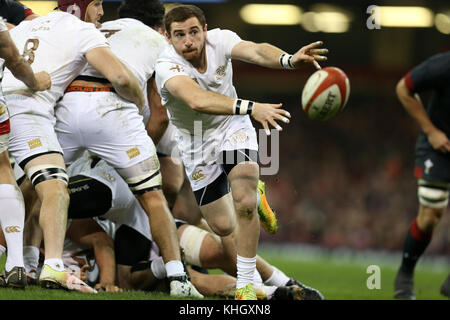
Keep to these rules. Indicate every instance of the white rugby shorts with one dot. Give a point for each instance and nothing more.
(201, 156)
(106, 125)
(32, 128)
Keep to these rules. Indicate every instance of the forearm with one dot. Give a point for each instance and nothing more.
(104, 255)
(22, 71)
(128, 88)
(414, 107)
(266, 55)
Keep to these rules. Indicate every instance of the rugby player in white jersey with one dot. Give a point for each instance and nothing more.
(91, 116)
(219, 150)
(12, 214)
(61, 44)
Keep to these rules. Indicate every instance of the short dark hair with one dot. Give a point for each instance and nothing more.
(182, 13)
(149, 12)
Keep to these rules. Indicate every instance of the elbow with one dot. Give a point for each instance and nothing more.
(122, 81)
(400, 89)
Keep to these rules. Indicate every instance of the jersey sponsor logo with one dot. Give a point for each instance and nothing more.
(198, 175)
(79, 189)
(177, 68)
(133, 152)
(11, 229)
(2, 110)
(35, 143)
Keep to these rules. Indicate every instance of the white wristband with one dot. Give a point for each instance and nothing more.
(285, 61)
(242, 107)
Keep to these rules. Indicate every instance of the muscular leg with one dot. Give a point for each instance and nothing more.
(55, 202)
(161, 223)
(172, 172)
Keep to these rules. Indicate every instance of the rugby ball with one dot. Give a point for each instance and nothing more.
(325, 93)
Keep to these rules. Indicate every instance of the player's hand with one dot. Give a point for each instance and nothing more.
(43, 81)
(108, 287)
(266, 114)
(439, 141)
(310, 54)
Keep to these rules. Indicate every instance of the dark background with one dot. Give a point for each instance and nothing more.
(347, 182)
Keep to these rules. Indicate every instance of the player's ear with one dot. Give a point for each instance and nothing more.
(167, 35)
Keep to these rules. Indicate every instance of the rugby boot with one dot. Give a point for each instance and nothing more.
(267, 217)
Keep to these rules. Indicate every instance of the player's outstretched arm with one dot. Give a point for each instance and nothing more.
(124, 82)
(20, 67)
(188, 91)
(416, 110)
(267, 55)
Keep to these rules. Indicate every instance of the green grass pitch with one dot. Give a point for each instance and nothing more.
(337, 276)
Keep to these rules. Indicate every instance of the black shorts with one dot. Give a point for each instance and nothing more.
(430, 164)
(88, 197)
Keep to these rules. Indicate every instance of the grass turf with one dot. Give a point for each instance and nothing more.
(338, 278)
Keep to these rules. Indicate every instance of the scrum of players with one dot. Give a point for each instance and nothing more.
(107, 192)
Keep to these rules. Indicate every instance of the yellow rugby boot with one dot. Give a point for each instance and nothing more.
(267, 217)
(245, 293)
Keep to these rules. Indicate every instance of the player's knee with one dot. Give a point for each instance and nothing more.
(429, 218)
(245, 205)
(222, 226)
(154, 199)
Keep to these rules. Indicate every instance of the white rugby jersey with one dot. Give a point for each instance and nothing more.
(218, 78)
(3, 110)
(135, 44)
(56, 43)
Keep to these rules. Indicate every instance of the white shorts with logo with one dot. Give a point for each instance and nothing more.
(32, 128)
(201, 156)
(106, 125)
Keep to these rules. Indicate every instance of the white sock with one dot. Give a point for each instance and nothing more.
(270, 290)
(158, 268)
(277, 279)
(30, 258)
(55, 264)
(2, 250)
(174, 268)
(246, 268)
(12, 217)
(257, 280)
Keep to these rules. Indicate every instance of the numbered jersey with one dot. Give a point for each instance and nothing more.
(135, 44)
(56, 43)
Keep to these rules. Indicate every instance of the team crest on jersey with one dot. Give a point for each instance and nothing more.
(177, 68)
(35, 143)
(220, 72)
(133, 152)
(2, 109)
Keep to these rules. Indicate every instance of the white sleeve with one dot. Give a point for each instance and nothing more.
(228, 39)
(166, 70)
(90, 38)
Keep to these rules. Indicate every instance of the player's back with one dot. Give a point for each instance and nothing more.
(55, 43)
(135, 44)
